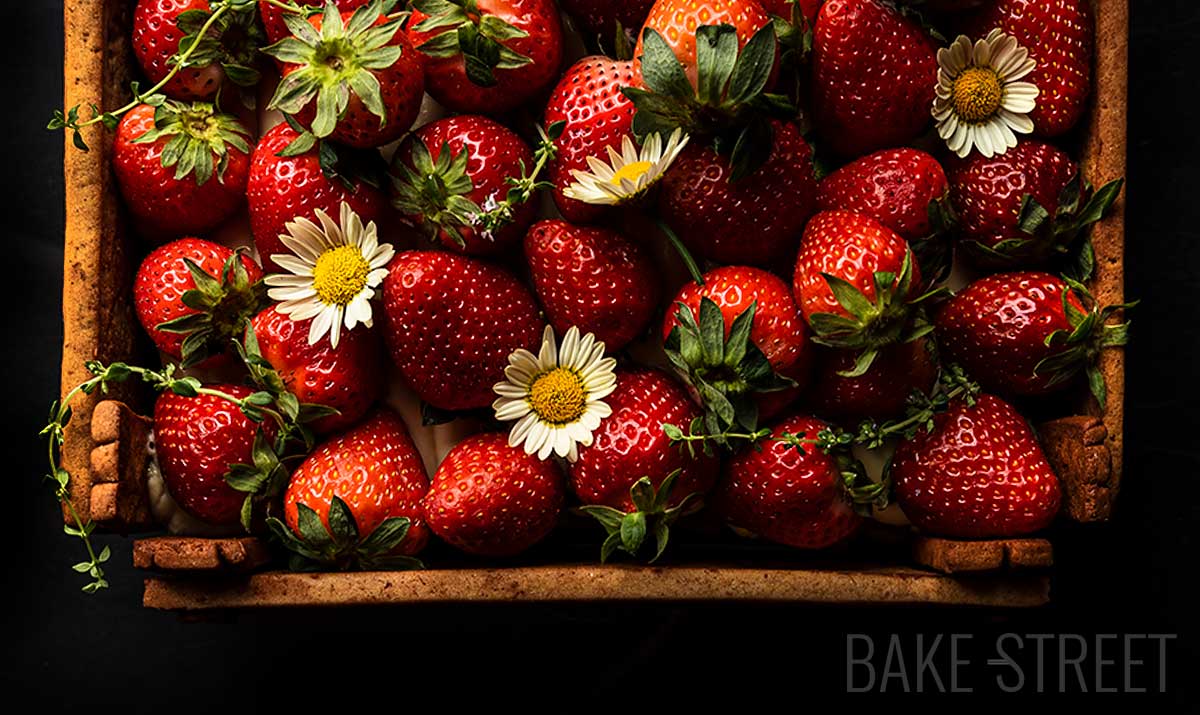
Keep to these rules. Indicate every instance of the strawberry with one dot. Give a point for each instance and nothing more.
(631, 444)
(679, 20)
(1023, 207)
(594, 279)
(452, 322)
(794, 491)
(284, 186)
(348, 379)
(356, 500)
(182, 169)
(879, 394)
(786, 8)
(448, 170)
(351, 77)
(589, 99)
(874, 72)
(979, 473)
(229, 48)
(600, 18)
(905, 190)
(487, 56)
(855, 281)
(777, 332)
(1027, 333)
(273, 16)
(193, 297)
(1059, 37)
(198, 440)
(491, 499)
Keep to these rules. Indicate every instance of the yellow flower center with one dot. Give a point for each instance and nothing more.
(340, 274)
(977, 94)
(558, 396)
(633, 172)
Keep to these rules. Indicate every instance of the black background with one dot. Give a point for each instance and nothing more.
(69, 651)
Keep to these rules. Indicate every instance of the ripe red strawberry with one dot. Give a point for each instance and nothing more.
(284, 188)
(483, 157)
(895, 187)
(197, 440)
(1059, 37)
(594, 279)
(881, 393)
(182, 169)
(874, 73)
(489, 61)
(345, 504)
(844, 258)
(631, 444)
(358, 82)
(678, 20)
(754, 220)
(228, 298)
(1027, 333)
(230, 47)
(491, 499)
(978, 474)
(348, 379)
(778, 330)
(597, 115)
(273, 16)
(792, 494)
(1020, 208)
(452, 322)
(600, 17)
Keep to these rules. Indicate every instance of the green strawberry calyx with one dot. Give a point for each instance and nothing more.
(870, 326)
(223, 308)
(1091, 333)
(627, 531)
(477, 36)
(335, 62)
(340, 546)
(232, 41)
(196, 139)
(726, 373)
(728, 104)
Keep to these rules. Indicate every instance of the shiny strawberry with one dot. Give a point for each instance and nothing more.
(351, 77)
(273, 16)
(1023, 207)
(1027, 333)
(221, 303)
(229, 48)
(631, 444)
(348, 379)
(879, 394)
(451, 322)
(978, 474)
(601, 17)
(197, 442)
(284, 188)
(489, 57)
(754, 220)
(598, 116)
(444, 195)
(874, 72)
(678, 20)
(592, 278)
(794, 492)
(182, 169)
(1059, 37)
(777, 330)
(356, 500)
(491, 499)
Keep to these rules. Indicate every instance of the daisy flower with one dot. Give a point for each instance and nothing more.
(628, 173)
(556, 396)
(332, 274)
(980, 101)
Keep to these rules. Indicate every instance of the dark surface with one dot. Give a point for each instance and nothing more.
(68, 650)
